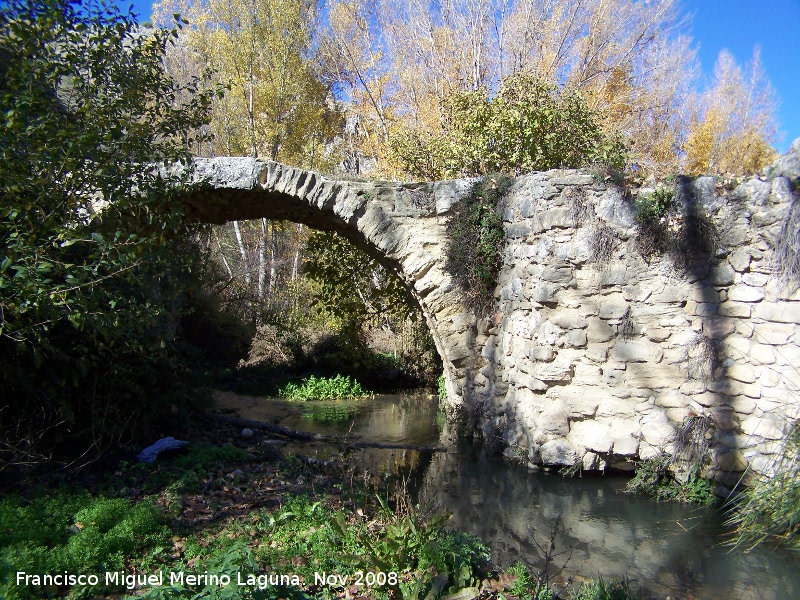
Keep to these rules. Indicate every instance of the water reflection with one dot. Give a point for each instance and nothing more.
(667, 549)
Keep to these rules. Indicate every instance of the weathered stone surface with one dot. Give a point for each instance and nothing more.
(722, 275)
(788, 165)
(745, 293)
(554, 371)
(781, 312)
(739, 259)
(599, 330)
(558, 452)
(591, 435)
(730, 308)
(613, 307)
(773, 334)
(636, 351)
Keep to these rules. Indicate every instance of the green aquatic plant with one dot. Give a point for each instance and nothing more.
(324, 388)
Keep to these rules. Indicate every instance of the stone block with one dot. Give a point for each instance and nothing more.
(718, 327)
(597, 352)
(581, 401)
(735, 309)
(755, 279)
(731, 387)
(703, 293)
(739, 259)
(599, 331)
(745, 293)
(561, 275)
(576, 338)
(558, 453)
(613, 307)
(742, 404)
(586, 374)
(626, 438)
(769, 377)
(656, 429)
(706, 309)
(636, 351)
(722, 275)
(773, 334)
(766, 426)
(671, 399)
(569, 318)
(762, 354)
(780, 312)
(531, 383)
(591, 435)
(741, 372)
(539, 353)
(615, 407)
(557, 371)
(654, 377)
(731, 461)
(552, 218)
(518, 230)
(657, 334)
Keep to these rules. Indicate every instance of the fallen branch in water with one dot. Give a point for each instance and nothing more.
(347, 441)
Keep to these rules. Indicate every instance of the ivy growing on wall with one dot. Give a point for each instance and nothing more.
(476, 239)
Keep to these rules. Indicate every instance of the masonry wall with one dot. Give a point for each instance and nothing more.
(598, 361)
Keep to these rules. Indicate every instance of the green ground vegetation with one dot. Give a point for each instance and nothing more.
(224, 510)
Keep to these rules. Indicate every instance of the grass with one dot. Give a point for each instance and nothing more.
(769, 509)
(312, 388)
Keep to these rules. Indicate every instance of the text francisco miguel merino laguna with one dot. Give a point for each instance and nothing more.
(133, 581)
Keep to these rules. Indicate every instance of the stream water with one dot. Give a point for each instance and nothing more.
(664, 549)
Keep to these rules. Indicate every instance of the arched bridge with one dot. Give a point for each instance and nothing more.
(402, 225)
(596, 349)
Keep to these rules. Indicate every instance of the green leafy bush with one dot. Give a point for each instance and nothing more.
(93, 242)
(476, 239)
(529, 125)
(324, 388)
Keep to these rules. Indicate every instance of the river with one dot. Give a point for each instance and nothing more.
(666, 550)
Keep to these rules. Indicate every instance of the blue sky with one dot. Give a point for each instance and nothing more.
(738, 26)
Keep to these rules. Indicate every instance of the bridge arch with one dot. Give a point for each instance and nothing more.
(402, 225)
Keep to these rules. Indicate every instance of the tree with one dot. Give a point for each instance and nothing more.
(278, 106)
(735, 123)
(86, 282)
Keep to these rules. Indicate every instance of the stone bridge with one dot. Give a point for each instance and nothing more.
(590, 359)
